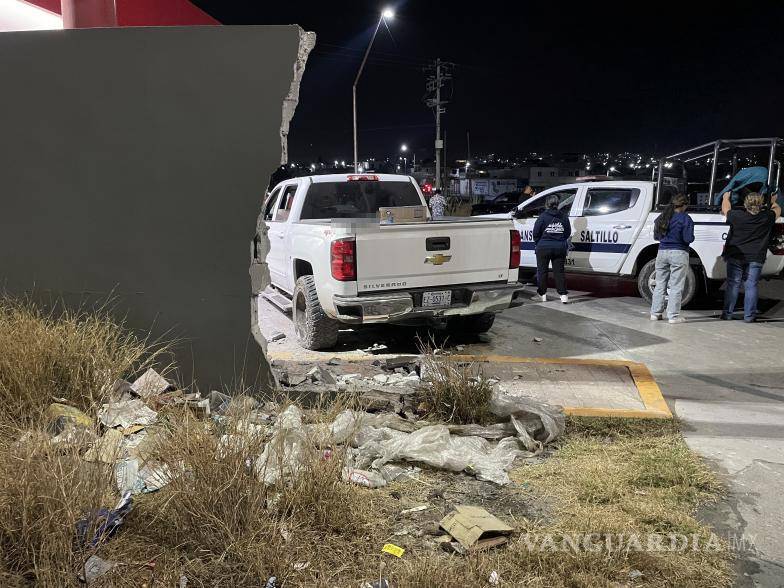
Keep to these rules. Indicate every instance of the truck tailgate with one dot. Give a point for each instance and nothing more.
(395, 257)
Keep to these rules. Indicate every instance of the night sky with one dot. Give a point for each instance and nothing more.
(648, 77)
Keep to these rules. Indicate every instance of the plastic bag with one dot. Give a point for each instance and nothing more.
(283, 455)
(434, 446)
(552, 419)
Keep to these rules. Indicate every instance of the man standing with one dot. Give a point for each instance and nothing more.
(746, 249)
(437, 204)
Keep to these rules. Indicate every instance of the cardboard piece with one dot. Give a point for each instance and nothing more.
(475, 528)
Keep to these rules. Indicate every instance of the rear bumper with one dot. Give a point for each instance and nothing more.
(400, 306)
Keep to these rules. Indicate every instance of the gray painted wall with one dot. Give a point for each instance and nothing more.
(134, 161)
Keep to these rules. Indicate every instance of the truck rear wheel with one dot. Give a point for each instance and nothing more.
(315, 330)
(476, 323)
(646, 283)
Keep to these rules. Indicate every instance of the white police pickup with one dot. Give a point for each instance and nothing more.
(336, 263)
(612, 234)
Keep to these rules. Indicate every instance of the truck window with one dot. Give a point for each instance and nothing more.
(286, 202)
(536, 206)
(601, 201)
(358, 199)
(269, 205)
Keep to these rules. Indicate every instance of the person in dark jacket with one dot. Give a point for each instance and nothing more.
(552, 231)
(746, 250)
(674, 230)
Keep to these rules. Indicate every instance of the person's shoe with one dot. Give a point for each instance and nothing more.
(565, 298)
(539, 297)
(656, 317)
(751, 320)
(677, 320)
(726, 317)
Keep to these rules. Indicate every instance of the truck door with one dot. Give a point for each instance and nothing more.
(526, 217)
(605, 229)
(275, 234)
(282, 231)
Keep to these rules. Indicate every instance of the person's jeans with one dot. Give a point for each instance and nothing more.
(739, 272)
(544, 256)
(671, 266)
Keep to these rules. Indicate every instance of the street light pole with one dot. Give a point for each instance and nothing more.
(386, 14)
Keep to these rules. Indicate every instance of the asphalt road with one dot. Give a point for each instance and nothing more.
(724, 380)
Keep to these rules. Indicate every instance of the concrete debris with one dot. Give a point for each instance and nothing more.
(127, 413)
(333, 361)
(94, 568)
(59, 416)
(404, 361)
(276, 336)
(537, 339)
(322, 375)
(151, 383)
(376, 348)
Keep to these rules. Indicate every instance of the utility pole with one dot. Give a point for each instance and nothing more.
(440, 73)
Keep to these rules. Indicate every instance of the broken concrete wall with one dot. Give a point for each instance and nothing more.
(134, 163)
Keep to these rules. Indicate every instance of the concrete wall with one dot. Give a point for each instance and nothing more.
(134, 161)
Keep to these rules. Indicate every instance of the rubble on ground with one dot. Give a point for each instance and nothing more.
(386, 439)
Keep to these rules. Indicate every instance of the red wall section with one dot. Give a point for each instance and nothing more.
(140, 13)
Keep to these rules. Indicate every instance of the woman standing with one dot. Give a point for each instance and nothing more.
(552, 231)
(674, 230)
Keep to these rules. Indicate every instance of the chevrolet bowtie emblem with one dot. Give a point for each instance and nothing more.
(438, 259)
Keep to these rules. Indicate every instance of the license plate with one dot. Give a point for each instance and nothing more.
(435, 299)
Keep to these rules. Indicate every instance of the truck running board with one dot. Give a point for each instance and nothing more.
(277, 299)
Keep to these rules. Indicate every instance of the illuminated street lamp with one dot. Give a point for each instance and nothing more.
(387, 14)
(404, 149)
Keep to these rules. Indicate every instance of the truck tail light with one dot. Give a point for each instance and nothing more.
(344, 260)
(777, 243)
(514, 249)
(363, 178)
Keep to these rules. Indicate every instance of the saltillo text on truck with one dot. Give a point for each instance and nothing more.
(612, 221)
(361, 248)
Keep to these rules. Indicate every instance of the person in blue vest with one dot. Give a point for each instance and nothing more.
(552, 232)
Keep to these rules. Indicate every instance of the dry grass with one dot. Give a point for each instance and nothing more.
(43, 493)
(62, 353)
(457, 391)
(218, 524)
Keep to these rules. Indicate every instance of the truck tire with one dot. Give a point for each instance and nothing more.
(477, 323)
(314, 329)
(646, 282)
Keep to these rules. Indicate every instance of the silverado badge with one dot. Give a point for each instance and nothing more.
(438, 259)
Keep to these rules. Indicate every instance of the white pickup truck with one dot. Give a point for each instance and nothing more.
(612, 234)
(333, 258)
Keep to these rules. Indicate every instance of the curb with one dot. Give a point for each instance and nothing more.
(650, 393)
